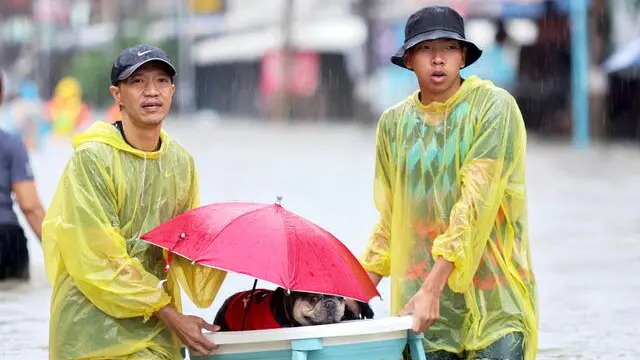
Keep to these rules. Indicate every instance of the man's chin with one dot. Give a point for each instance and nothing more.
(153, 120)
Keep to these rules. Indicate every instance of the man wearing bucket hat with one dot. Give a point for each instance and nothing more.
(112, 298)
(450, 191)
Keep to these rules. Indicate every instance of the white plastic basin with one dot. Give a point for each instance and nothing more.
(380, 339)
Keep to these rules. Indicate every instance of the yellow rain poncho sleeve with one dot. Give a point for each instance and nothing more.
(450, 182)
(93, 251)
(107, 283)
(484, 176)
(377, 259)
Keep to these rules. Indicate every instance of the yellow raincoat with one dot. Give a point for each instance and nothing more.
(106, 282)
(450, 182)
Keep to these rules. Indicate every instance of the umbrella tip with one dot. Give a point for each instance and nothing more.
(279, 200)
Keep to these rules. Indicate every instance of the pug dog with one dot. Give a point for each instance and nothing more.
(274, 309)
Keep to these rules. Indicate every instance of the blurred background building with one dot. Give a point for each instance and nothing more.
(235, 56)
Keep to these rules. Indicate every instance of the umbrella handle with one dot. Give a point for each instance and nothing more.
(246, 312)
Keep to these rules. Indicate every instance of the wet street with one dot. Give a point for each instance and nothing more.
(584, 225)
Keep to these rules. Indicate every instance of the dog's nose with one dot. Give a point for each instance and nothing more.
(330, 305)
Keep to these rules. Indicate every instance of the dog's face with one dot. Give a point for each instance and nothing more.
(316, 309)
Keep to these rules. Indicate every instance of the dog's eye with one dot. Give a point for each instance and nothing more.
(315, 299)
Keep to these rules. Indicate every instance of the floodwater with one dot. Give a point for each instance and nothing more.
(584, 225)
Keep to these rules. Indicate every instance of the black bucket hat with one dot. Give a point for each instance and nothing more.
(433, 23)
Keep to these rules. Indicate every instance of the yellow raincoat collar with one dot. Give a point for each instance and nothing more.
(105, 133)
(468, 85)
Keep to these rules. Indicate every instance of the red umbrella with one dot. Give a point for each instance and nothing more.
(267, 242)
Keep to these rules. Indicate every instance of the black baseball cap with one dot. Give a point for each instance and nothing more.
(130, 59)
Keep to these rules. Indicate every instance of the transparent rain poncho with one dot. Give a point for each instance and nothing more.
(450, 182)
(106, 282)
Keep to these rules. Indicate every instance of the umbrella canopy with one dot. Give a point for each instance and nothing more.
(267, 242)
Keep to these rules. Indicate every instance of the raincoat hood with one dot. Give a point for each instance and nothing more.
(102, 132)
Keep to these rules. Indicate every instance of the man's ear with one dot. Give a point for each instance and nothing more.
(115, 92)
(464, 57)
(408, 60)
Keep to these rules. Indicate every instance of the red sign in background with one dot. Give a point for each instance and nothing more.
(303, 73)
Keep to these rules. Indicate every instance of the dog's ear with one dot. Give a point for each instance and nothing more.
(349, 315)
(366, 312)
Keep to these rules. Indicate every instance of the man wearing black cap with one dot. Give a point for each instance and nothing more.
(112, 298)
(134, 69)
(451, 195)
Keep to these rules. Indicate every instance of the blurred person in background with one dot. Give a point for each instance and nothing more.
(66, 111)
(499, 62)
(26, 111)
(16, 178)
(451, 195)
(113, 297)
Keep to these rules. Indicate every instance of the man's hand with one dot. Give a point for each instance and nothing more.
(425, 307)
(189, 329)
(425, 304)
